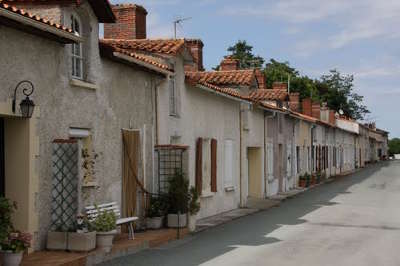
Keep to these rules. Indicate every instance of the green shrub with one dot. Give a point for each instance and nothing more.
(194, 204)
(106, 221)
(7, 208)
(178, 193)
(158, 206)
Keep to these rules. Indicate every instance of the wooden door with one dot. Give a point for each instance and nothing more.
(131, 144)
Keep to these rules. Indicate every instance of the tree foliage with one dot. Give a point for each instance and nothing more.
(334, 88)
(338, 91)
(394, 146)
(244, 53)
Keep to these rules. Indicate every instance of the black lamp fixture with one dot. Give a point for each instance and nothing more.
(27, 105)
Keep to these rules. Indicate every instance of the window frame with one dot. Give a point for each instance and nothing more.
(76, 58)
(173, 97)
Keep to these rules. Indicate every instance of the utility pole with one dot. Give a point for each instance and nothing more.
(179, 21)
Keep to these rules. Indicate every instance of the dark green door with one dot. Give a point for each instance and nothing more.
(2, 171)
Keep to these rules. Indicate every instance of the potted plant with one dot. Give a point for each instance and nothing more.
(156, 212)
(194, 208)
(7, 208)
(105, 225)
(82, 237)
(178, 200)
(313, 179)
(13, 247)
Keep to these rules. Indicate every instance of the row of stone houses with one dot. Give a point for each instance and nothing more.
(115, 117)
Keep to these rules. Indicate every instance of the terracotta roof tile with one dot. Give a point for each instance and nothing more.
(268, 95)
(144, 58)
(102, 8)
(234, 77)
(159, 46)
(228, 91)
(33, 17)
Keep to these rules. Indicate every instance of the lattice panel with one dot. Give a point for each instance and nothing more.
(65, 184)
(170, 160)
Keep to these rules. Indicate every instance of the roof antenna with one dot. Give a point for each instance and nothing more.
(179, 21)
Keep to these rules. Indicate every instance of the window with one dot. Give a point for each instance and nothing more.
(173, 110)
(228, 167)
(76, 50)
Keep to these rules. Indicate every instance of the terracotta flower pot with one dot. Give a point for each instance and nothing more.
(302, 183)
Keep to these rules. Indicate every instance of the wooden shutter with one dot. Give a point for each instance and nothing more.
(199, 165)
(213, 165)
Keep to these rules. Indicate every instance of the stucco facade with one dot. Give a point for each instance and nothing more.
(202, 114)
(119, 97)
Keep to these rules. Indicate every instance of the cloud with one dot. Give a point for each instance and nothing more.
(349, 21)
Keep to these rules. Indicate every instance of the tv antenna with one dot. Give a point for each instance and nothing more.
(179, 21)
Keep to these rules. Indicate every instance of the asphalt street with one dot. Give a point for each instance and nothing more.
(353, 221)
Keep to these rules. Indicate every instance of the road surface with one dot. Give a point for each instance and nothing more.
(353, 221)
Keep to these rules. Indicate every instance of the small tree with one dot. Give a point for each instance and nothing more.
(178, 193)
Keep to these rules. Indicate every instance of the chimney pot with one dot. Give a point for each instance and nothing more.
(130, 23)
(229, 63)
(279, 86)
(196, 49)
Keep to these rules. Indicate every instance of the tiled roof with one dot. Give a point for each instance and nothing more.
(304, 117)
(33, 17)
(144, 58)
(234, 77)
(159, 46)
(227, 91)
(102, 8)
(268, 95)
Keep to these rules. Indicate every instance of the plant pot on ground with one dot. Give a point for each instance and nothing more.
(178, 200)
(82, 237)
(56, 240)
(194, 208)
(14, 246)
(302, 181)
(156, 212)
(105, 225)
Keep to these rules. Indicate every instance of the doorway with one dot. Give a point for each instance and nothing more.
(255, 175)
(280, 165)
(2, 164)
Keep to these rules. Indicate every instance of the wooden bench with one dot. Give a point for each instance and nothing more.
(92, 212)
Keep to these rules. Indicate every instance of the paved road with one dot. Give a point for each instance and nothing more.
(352, 221)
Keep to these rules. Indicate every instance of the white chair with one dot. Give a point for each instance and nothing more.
(92, 212)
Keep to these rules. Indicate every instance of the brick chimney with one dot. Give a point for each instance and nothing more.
(261, 80)
(279, 86)
(196, 48)
(316, 110)
(332, 117)
(229, 63)
(130, 23)
(307, 106)
(294, 101)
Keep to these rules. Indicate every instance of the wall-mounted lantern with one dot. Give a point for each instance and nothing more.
(27, 105)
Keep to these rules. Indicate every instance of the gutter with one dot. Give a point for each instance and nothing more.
(141, 63)
(39, 25)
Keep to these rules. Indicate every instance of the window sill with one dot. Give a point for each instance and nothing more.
(229, 189)
(83, 84)
(207, 194)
